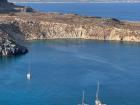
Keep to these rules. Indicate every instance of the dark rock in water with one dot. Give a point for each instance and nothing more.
(10, 43)
(8, 46)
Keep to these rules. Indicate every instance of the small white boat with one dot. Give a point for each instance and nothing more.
(97, 101)
(29, 76)
(83, 100)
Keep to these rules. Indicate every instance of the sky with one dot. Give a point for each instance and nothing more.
(76, 0)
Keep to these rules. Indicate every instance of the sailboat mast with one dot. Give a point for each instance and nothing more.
(97, 92)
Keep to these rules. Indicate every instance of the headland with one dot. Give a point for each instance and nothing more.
(19, 24)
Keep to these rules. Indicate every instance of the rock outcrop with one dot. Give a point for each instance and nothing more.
(7, 7)
(9, 47)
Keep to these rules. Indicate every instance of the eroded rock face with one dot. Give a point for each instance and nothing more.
(54, 25)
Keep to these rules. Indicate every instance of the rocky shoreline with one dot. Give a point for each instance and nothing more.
(33, 26)
(9, 47)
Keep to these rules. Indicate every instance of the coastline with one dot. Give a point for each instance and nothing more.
(22, 26)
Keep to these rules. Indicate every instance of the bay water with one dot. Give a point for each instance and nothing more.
(62, 69)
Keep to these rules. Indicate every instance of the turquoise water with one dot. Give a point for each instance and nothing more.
(123, 11)
(62, 69)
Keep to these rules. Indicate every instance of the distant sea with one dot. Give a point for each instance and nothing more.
(62, 69)
(123, 11)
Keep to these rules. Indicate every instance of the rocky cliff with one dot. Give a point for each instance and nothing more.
(32, 26)
(54, 25)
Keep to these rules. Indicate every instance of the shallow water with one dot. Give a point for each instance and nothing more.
(62, 69)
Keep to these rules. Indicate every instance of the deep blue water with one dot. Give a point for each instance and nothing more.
(62, 69)
(123, 11)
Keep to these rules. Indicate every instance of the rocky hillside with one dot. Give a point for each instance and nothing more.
(33, 26)
(54, 25)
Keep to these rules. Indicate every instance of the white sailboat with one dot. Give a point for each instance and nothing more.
(83, 100)
(29, 73)
(97, 101)
(28, 76)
